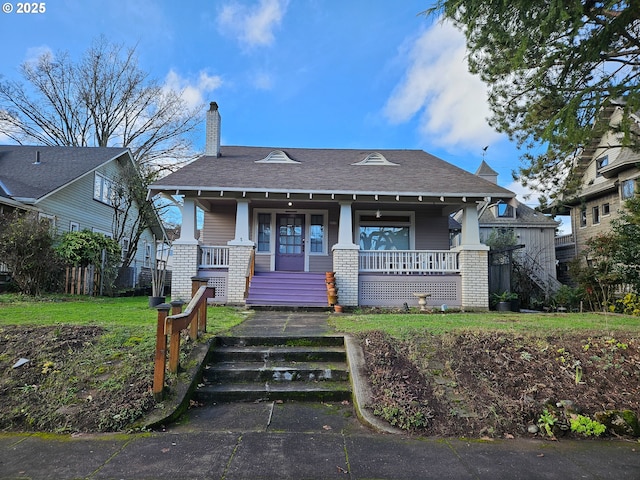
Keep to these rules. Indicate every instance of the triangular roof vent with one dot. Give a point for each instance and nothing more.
(277, 156)
(375, 158)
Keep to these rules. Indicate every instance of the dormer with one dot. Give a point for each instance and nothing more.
(504, 210)
(375, 158)
(277, 156)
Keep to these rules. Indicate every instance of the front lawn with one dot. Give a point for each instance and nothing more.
(90, 361)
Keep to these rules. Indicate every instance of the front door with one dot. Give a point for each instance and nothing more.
(290, 242)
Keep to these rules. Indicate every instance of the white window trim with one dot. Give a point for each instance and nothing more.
(307, 232)
(411, 223)
(125, 245)
(105, 182)
(103, 232)
(50, 218)
(74, 227)
(146, 260)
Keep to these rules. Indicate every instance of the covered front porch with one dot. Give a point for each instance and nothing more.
(377, 250)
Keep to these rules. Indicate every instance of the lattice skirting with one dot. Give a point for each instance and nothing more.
(395, 290)
(217, 279)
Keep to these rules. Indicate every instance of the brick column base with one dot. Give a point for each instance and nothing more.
(185, 266)
(474, 270)
(345, 264)
(239, 257)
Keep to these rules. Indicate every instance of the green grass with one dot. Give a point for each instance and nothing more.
(105, 312)
(404, 325)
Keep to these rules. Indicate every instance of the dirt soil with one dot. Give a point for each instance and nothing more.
(471, 384)
(68, 383)
(499, 384)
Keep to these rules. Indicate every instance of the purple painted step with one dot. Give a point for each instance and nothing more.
(300, 289)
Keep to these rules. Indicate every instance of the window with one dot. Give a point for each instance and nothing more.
(316, 233)
(387, 232)
(606, 209)
(595, 215)
(504, 210)
(74, 227)
(583, 217)
(124, 249)
(264, 232)
(48, 219)
(103, 189)
(600, 164)
(147, 255)
(628, 189)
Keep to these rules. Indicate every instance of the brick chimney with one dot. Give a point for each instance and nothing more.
(212, 139)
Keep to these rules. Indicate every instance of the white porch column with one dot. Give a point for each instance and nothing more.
(242, 225)
(345, 227)
(185, 253)
(470, 234)
(345, 259)
(240, 249)
(189, 226)
(474, 263)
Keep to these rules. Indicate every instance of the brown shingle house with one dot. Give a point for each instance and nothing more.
(276, 219)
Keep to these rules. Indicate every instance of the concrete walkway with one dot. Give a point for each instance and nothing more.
(302, 441)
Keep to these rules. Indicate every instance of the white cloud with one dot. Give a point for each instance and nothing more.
(437, 86)
(252, 25)
(34, 53)
(192, 92)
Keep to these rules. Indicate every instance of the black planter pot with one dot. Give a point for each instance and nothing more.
(155, 301)
(503, 306)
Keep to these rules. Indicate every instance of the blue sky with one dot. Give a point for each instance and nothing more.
(292, 73)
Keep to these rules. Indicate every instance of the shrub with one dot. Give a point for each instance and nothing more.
(26, 246)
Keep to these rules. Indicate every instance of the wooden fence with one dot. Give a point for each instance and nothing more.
(82, 281)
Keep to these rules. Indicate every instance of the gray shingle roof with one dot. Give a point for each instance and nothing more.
(21, 177)
(328, 170)
(525, 216)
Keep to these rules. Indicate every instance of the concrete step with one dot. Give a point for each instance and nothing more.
(226, 372)
(260, 354)
(275, 368)
(281, 341)
(251, 392)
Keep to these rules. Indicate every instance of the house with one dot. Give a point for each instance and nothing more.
(72, 187)
(534, 231)
(279, 217)
(608, 174)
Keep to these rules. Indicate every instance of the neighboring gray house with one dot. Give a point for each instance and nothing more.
(72, 188)
(379, 219)
(532, 229)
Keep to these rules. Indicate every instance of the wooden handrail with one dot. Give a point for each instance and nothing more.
(194, 318)
(251, 270)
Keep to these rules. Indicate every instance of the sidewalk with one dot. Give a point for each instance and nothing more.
(302, 441)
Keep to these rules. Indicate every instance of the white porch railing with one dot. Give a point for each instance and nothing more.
(214, 257)
(567, 239)
(403, 262)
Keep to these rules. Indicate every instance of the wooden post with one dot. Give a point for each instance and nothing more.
(176, 306)
(161, 351)
(200, 324)
(196, 283)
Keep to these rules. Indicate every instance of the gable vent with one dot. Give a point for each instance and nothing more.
(375, 158)
(277, 156)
